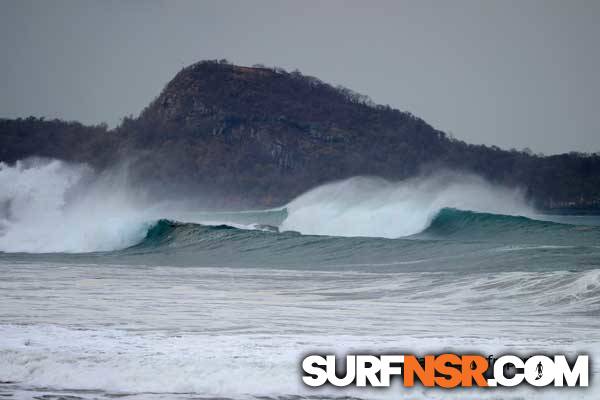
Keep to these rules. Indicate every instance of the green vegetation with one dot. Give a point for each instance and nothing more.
(260, 136)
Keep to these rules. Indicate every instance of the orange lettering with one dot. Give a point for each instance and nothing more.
(444, 365)
(411, 367)
(473, 368)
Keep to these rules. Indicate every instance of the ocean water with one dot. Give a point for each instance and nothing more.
(107, 294)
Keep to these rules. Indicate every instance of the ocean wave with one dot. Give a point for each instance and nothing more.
(175, 346)
(448, 223)
(51, 206)
(374, 207)
(469, 225)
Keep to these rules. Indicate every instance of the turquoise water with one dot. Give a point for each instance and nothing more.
(105, 295)
(455, 240)
(216, 311)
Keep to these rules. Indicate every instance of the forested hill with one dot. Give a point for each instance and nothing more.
(260, 136)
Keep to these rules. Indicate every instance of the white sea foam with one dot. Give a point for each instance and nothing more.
(241, 333)
(50, 206)
(53, 206)
(378, 208)
(98, 329)
(47, 358)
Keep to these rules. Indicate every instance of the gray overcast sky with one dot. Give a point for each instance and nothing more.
(511, 73)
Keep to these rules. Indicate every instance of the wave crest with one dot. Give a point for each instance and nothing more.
(378, 208)
(54, 206)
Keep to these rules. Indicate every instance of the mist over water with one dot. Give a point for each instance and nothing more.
(378, 208)
(109, 292)
(53, 206)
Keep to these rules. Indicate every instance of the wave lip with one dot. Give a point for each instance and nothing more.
(447, 224)
(168, 233)
(373, 207)
(51, 206)
(450, 223)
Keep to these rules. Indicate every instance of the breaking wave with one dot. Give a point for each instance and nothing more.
(52, 206)
(444, 262)
(378, 208)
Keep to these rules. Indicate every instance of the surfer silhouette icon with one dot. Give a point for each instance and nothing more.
(539, 368)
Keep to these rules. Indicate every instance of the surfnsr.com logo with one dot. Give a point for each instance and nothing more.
(445, 370)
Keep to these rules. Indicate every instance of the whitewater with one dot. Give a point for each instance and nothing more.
(106, 292)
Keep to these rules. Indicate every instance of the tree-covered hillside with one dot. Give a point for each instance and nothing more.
(260, 136)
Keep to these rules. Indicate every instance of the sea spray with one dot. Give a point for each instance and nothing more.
(375, 207)
(51, 205)
(196, 311)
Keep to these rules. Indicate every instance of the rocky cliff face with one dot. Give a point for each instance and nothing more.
(269, 135)
(259, 137)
